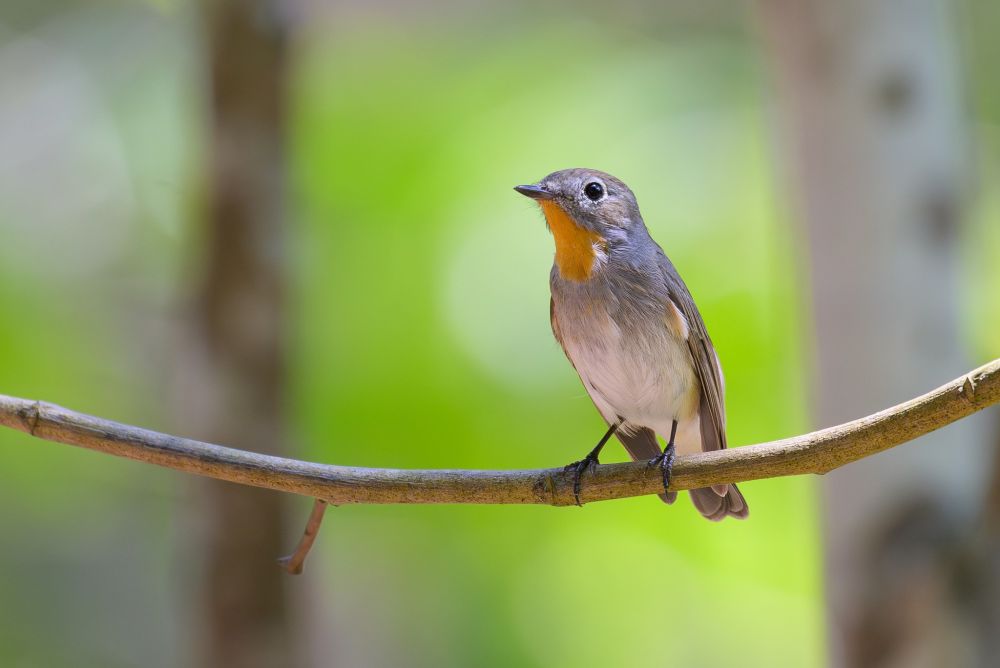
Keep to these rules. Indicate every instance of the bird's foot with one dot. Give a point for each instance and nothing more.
(665, 461)
(578, 469)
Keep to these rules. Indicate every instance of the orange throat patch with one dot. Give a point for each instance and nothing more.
(576, 246)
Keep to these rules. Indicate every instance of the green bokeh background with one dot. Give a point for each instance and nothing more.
(420, 334)
(437, 351)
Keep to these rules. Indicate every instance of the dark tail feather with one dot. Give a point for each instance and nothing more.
(643, 445)
(717, 507)
(715, 503)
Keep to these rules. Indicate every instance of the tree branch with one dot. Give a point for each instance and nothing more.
(817, 452)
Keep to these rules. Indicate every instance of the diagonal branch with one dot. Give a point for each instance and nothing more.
(295, 562)
(817, 452)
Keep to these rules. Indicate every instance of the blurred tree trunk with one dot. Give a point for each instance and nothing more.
(235, 369)
(870, 113)
(984, 573)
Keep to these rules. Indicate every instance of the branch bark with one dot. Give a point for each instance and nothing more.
(816, 452)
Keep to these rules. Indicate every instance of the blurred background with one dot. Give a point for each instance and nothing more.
(289, 227)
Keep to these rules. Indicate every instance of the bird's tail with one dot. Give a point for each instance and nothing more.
(716, 507)
(715, 503)
(643, 445)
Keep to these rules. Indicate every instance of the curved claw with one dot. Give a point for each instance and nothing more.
(665, 461)
(578, 469)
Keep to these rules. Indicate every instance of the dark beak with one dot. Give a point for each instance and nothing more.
(534, 192)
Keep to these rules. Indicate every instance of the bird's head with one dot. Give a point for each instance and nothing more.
(586, 211)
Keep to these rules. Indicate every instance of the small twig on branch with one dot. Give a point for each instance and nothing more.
(294, 562)
(818, 452)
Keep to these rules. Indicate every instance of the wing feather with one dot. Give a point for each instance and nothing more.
(712, 408)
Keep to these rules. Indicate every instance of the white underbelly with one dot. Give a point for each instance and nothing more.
(650, 381)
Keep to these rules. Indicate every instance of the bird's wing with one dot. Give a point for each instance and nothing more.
(712, 410)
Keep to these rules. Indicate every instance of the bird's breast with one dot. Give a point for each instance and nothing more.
(628, 355)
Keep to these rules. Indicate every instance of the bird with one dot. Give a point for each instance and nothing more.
(630, 327)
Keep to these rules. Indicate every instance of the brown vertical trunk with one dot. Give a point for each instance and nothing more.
(238, 338)
(982, 573)
(869, 104)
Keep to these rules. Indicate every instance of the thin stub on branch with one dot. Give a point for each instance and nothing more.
(294, 563)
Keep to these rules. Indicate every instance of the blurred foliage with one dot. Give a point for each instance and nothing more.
(420, 333)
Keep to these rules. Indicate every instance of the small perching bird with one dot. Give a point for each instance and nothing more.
(630, 328)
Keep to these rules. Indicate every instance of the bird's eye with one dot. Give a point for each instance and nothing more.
(594, 191)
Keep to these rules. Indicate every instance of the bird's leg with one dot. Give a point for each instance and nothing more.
(590, 460)
(665, 460)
